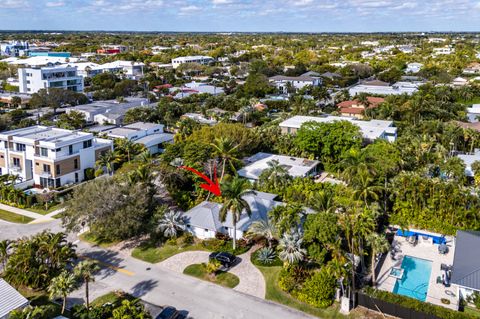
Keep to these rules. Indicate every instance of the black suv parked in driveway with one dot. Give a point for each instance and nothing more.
(226, 259)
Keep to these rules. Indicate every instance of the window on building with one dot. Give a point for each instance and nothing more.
(20, 147)
(87, 144)
(16, 161)
(76, 177)
(46, 168)
(75, 163)
(58, 150)
(70, 149)
(43, 151)
(57, 169)
(5, 144)
(57, 182)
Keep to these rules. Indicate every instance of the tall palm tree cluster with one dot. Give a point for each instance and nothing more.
(33, 262)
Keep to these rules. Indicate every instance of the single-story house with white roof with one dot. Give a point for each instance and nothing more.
(371, 130)
(296, 167)
(10, 299)
(203, 220)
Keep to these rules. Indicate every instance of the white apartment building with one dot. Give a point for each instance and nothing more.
(382, 88)
(51, 157)
(150, 135)
(413, 67)
(443, 51)
(282, 82)
(33, 79)
(371, 130)
(200, 59)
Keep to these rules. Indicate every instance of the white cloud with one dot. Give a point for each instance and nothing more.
(190, 9)
(53, 4)
(217, 2)
(13, 4)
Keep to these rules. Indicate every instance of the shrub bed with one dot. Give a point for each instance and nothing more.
(254, 259)
(215, 244)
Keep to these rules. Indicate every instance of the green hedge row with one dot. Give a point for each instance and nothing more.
(415, 304)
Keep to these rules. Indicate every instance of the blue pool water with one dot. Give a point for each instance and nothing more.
(416, 276)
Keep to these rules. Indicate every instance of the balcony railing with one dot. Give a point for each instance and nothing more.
(15, 168)
(46, 174)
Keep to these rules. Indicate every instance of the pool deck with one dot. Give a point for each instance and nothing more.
(425, 249)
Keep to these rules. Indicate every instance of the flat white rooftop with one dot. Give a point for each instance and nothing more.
(371, 129)
(296, 167)
(38, 133)
(143, 125)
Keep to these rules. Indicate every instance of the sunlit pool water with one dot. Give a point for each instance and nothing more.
(416, 277)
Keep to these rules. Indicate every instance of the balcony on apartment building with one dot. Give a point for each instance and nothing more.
(46, 174)
(15, 167)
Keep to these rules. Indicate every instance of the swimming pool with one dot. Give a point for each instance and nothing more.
(416, 277)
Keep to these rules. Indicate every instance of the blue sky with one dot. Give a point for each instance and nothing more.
(242, 15)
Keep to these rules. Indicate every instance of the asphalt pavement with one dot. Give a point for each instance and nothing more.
(158, 286)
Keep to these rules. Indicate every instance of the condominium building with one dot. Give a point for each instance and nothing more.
(33, 79)
(51, 157)
(200, 59)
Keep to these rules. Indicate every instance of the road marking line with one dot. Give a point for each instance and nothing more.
(123, 271)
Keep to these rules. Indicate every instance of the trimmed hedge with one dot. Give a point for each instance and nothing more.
(415, 304)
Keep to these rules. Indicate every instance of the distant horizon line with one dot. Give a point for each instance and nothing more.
(235, 32)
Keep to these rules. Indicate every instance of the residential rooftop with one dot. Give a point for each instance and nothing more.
(296, 167)
(371, 129)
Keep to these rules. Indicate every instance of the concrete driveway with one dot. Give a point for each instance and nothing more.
(251, 279)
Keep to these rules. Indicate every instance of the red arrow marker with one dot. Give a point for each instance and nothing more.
(213, 187)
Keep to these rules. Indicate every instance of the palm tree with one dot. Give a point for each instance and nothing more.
(143, 174)
(364, 189)
(226, 149)
(128, 147)
(170, 223)
(379, 244)
(290, 246)
(85, 270)
(61, 286)
(234, 203)
(107, 160)
(263, 228)
(5, 246)
(275, 174)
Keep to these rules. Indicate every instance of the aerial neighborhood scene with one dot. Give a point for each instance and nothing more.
(239, 159)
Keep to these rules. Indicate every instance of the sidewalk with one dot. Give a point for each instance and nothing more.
(37, 218)
(48, 217)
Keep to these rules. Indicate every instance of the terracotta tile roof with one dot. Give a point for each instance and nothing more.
(374, 102)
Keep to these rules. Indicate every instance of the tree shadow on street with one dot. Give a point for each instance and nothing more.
(141, 288)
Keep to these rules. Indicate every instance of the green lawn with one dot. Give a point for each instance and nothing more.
(222, 278)
(40, 298)
(14, 218)
(41, 209)
(94, 240)
(111, 297)
(274, 293)
(153, 254)
(473, 312)
(475, 100)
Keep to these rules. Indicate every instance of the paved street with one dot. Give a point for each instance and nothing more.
(161, 286)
